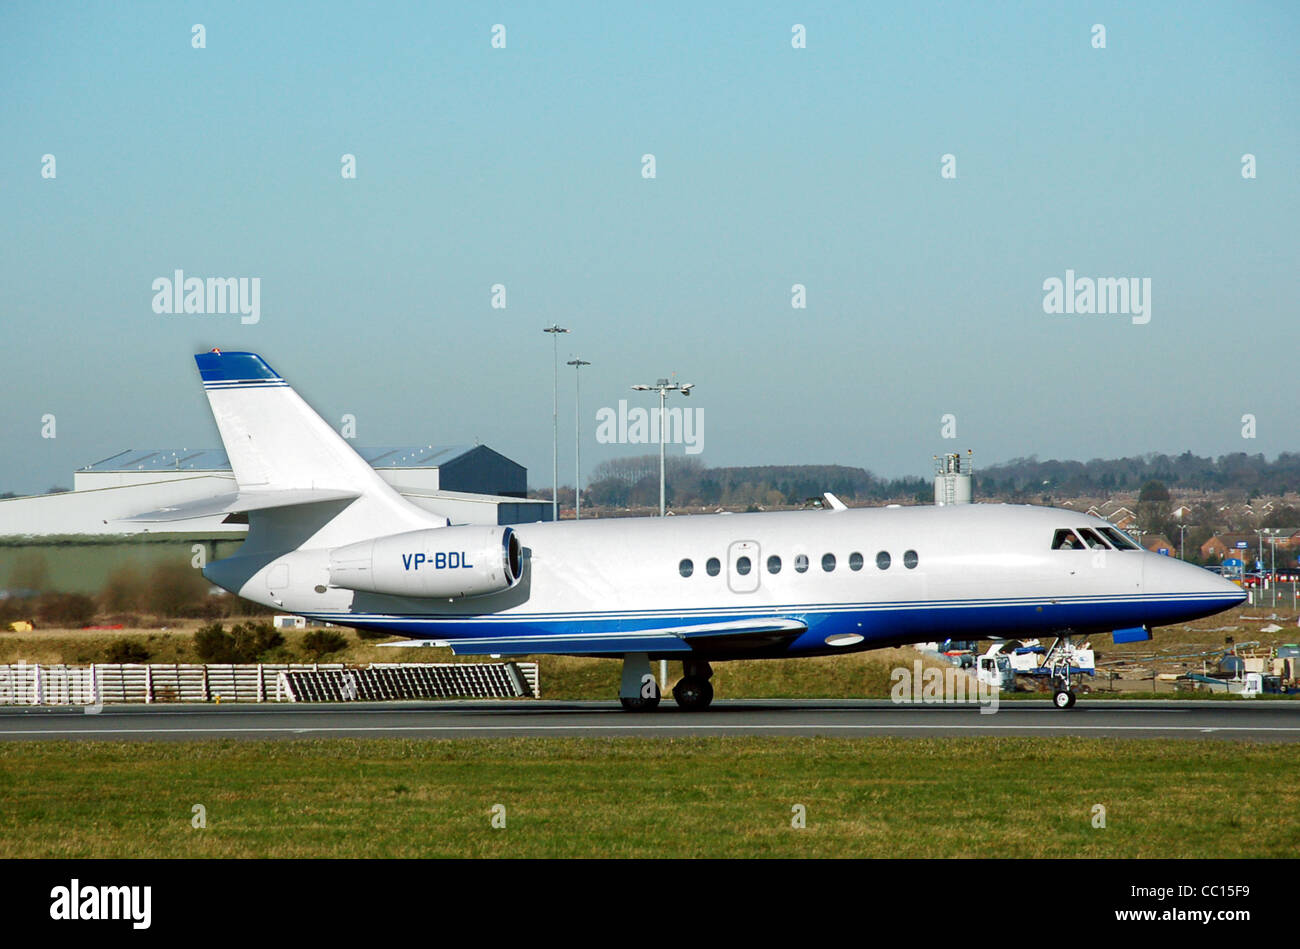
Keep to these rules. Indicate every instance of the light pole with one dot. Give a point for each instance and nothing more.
(555, 330)
(1182, 528)
(663, 387)
(1272, 563)
(577, 365)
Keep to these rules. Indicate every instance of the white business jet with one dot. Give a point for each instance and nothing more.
(330, 540)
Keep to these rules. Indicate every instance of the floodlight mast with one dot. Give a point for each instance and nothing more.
(577, 365)
(663, 387)
(555, 329)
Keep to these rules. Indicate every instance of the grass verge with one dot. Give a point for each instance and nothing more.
(713, 797)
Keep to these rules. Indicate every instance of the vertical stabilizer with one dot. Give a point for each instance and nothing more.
(277, 442)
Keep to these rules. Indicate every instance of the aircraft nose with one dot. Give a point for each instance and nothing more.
(1169, 577)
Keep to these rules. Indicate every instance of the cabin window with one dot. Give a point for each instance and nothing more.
(774, 564)
(801, 563)
(1117, 537)
(883, 560)
(828, 562)
(744, 565)
(686, 568)
(910, 559)
(1065, 540)
(1090, 537)
(855, 561)
(714, 566)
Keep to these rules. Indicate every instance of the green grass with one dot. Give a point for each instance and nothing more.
(873, 797)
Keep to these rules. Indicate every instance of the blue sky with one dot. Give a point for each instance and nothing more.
(775, 166)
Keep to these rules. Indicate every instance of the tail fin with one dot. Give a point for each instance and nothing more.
(276, 442)
(273, 438)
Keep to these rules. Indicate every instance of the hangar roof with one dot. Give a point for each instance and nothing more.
(213, 459)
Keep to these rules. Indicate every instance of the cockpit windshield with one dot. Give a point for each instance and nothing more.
(1090, 537)
(1086, 538)
(1066, 540)
(1117, 537)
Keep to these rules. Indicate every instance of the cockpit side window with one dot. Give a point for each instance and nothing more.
(1117, 537)
(1093, 541)
(1065, 540)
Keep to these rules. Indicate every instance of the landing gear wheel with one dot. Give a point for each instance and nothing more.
(1064, 698)
(640, 704)
(693, 693)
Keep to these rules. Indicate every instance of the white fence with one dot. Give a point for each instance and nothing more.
(529, 670)
(24, 683)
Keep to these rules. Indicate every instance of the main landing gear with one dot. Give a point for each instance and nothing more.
(694, 692)
(639, 690)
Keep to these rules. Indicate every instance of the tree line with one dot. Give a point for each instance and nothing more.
(634, 481)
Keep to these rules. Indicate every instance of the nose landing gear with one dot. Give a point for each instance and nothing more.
(1062, 694)
(1063, 697)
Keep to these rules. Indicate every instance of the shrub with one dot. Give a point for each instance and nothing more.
(213, 644)
(322, 642)
(252, 640)
(15, 608)
(175, 588)
(128, 650)
(71, 610)
(124, 591)
(246, 642)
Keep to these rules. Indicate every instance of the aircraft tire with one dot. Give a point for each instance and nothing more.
(693, 693)
(1063, 698)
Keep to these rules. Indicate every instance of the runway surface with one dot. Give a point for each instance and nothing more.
(1277, 721)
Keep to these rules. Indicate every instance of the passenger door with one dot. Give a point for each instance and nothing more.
(743, 566)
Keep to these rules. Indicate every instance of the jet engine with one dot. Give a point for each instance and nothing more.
(446, 562)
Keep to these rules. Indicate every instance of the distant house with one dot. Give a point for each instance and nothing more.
(1158, 542)
(1287, 538)
(1223, 546)
(1180, 513)
(1117, 514)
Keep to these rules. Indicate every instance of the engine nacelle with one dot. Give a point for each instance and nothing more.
(442, 562)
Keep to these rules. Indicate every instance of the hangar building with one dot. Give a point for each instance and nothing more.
(79, 536)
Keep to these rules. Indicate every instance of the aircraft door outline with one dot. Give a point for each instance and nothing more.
(740, 554)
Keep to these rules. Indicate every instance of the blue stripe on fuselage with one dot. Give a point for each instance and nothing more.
(878, 625)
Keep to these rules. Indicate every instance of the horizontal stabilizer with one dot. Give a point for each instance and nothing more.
(241, 502)
(734, 634)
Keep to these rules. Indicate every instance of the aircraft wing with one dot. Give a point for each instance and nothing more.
(732, 634)
(241, 502)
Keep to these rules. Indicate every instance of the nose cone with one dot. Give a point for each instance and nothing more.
(1185, 589)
